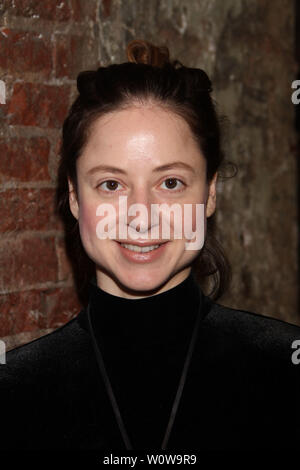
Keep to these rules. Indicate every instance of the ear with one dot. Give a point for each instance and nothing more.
(73, 200)
(212, 194)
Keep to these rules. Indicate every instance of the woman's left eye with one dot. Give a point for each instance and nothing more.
(173, 181)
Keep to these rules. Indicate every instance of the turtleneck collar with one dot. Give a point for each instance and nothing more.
(166, 310)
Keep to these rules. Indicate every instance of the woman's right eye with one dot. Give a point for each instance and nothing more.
(111, 185)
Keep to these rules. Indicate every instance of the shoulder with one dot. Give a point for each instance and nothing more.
(250, 330)
(40, 383)
(227, 316)
(48, 355)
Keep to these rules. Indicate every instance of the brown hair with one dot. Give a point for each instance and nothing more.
(149, 75)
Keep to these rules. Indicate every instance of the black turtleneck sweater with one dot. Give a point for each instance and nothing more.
(241, 391)
(144, 343)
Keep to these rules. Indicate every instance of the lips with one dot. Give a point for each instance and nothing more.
(140, 249)
(138, 256)
(142, 243)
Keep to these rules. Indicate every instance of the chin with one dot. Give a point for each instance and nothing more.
(142, 283)
(138, 279)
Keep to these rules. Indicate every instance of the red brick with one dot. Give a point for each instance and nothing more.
(24, 159)
(83, 10)
(38, 105)
(26, 262)
(28, 209)
(21, 311)
(55, 160)
(61, 306)
(105, 6)
(22, 52)
(74, 54)
(46, 9)
(6, 317)
(64, 265)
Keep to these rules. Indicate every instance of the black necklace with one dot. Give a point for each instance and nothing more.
(110, 392)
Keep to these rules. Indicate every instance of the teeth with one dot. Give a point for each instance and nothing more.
(140, 249)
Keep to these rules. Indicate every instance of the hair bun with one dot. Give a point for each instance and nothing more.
(143, 52)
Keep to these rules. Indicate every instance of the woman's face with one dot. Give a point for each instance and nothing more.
(147, 155)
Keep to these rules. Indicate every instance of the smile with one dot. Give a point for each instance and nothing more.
(142, 254)
(140, 249)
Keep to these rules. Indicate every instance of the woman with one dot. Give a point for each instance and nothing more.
(151, 362)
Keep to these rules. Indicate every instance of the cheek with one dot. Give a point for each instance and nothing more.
(87, 221)
(194, 217)
(194, 227)
(198, 217)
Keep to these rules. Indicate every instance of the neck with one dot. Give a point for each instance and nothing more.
(110, 284)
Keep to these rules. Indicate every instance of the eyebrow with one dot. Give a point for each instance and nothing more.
(168, 166)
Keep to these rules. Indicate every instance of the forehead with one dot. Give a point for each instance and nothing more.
(145, 133)
(138, 119)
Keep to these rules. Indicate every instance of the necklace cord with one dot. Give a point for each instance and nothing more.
(108, 385)
(109, 388)
(181, 383)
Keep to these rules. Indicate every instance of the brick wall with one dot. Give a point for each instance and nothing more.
(43, 46)
(247, 48)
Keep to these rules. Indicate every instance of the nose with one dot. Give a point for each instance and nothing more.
(139, 209)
